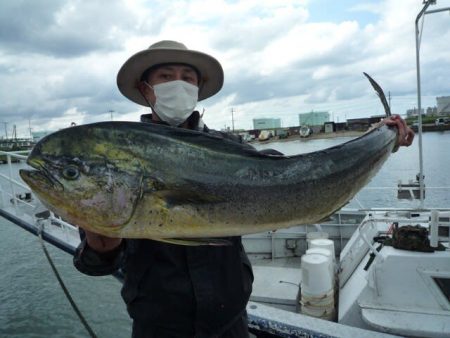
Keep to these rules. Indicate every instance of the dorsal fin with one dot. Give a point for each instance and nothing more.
(380, 93)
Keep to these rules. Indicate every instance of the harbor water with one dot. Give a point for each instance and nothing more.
(32, 305)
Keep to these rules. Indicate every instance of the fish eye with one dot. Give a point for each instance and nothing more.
(71, 172)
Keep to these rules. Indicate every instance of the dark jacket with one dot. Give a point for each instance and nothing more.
(188, 290)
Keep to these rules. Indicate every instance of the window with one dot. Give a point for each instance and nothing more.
(444, 286)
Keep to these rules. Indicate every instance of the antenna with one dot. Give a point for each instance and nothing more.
(6, 129)
(29, 127)
(232, 118)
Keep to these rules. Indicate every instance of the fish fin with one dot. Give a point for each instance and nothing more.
(196, 241)
(178, 197)
(380, 93)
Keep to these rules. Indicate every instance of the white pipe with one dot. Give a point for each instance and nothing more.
(434, 223)
(423, 12)
(427, 3)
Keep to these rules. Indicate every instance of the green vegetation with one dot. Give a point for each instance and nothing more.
(425, 119)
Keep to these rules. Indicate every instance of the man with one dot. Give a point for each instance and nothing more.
(170, 290)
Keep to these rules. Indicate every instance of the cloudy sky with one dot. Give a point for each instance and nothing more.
(59, 59)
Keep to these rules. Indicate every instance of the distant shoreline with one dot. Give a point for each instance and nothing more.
(315, 136)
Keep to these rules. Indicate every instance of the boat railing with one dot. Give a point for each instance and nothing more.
(409, 192)
(17, 199)
(17, 196)
(14, 185)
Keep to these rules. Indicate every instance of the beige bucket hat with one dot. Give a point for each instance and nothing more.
(167, 51)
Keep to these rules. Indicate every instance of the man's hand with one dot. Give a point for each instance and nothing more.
(405, 134)
(101, 243)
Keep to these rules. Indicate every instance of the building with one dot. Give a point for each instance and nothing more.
(266, 123)
(431, 111)
(330, 127)
(443, 105)
(414, 112)
(314, 118)
(37, 135)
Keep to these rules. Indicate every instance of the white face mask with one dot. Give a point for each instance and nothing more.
(175, 101)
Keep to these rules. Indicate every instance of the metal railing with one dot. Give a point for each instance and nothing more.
(11, 182)
(24, 202)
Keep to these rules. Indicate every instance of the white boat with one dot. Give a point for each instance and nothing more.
(382, 290)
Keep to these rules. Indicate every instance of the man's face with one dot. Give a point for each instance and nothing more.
(167, 73)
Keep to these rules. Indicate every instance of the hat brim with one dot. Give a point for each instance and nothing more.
(130, 73)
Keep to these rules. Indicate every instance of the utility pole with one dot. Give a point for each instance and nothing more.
(232, 118)
(389, 98)
(6, 129)
(29, 127)
(111, 112)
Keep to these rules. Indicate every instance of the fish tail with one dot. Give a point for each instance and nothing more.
(380, 93)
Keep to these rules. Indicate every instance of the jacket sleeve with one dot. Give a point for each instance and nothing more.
(93, 263)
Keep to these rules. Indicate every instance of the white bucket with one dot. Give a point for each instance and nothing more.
(315, 235)
(328, 313)
(325, 314)
(327, 254)
(316, 279)
(320, 307)
(324, 244)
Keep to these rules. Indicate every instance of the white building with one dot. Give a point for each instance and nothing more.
(414, 112)
(313, 118)
(443, 105)
(431, 111)
(37, 135)
(266, 123)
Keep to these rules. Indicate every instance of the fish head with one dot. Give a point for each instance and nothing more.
(85, 179)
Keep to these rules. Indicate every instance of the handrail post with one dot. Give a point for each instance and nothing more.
(8, 158)
(419, 103)
(422, 13)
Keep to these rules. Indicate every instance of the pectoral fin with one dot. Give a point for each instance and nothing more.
(174, 198)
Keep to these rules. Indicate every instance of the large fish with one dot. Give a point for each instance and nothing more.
(139, 180)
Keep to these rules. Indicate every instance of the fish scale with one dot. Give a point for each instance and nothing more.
(185, 186)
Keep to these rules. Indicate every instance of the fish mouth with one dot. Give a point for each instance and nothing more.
(35, 163)
(40, 178)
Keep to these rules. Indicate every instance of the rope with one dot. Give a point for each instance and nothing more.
(66, 291)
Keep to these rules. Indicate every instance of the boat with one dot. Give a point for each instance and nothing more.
(389, 275)
(368, 288)
(14, 145)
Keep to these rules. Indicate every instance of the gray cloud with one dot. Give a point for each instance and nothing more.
(59, 56)
(62, 28)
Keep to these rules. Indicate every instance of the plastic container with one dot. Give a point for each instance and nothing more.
(316, 279)
(320, 307)
(315, 235)
(317, 291)
(324, 244)
(327, 254)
